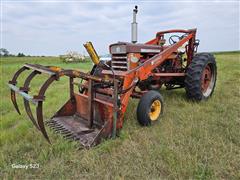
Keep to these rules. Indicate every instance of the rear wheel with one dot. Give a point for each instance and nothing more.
(201, 77)
(150, 108)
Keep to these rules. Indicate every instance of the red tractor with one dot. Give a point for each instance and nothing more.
(135, 70)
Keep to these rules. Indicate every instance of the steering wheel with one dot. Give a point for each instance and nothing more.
(172, 39)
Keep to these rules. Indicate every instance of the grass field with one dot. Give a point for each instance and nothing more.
(192, 140)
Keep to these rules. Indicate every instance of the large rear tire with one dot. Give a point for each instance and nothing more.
(201, 77)
(150, 107)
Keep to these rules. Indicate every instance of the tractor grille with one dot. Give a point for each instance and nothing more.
(119, 62)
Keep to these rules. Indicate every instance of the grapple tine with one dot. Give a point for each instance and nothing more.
(51, 125)
(58, 125)
(29, 113)
(14, 101)
(60, 128)
(14, 82)
(26, 103)
(40, 121)
(51, 122)
(70, 137)
(65, 131)
(68, 134)
(39, 110)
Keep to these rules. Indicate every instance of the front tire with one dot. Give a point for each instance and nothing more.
(150, 107)
(201, 77)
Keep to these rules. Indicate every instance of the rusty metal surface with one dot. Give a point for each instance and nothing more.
(68, 109)
(90, 102)
(115, 109)
(86, 76)
(168, 74)
(77, 129)
(136, 48)
(176, 31)
(40, 68)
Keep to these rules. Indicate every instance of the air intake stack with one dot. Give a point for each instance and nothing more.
(134, 25)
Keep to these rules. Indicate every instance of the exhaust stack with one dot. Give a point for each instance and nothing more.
(134, 25)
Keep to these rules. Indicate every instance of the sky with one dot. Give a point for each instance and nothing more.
(53, 28)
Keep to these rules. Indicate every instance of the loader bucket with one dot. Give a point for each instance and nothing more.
(86, 117)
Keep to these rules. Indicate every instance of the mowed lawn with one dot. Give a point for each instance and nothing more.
(191, 140)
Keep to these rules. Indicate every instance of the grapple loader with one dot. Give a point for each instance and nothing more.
(136, 70)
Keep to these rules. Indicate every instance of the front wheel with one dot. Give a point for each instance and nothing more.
(150, 107)
(201, 77)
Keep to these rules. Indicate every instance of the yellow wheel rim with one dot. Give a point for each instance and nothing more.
(155, 110)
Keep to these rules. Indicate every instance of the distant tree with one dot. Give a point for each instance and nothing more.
(4, 52)
(20, 55)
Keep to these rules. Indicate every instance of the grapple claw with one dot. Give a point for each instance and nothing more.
(74, 121)
(65, 131)
(26, 103)
(29, 113)
(14, 101)
(39, 109)
(40, 121)
(14, 82)
(67, 135)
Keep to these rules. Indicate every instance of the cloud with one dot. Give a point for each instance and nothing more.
(53, 28)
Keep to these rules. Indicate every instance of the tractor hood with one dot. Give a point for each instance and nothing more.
(125, 47)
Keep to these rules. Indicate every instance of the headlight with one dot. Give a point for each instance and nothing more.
(118, 49)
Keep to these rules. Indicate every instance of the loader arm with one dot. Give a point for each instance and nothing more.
(145, 69)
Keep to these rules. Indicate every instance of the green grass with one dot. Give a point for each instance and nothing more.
(192, 140)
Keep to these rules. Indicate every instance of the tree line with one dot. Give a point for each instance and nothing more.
(5, 53)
